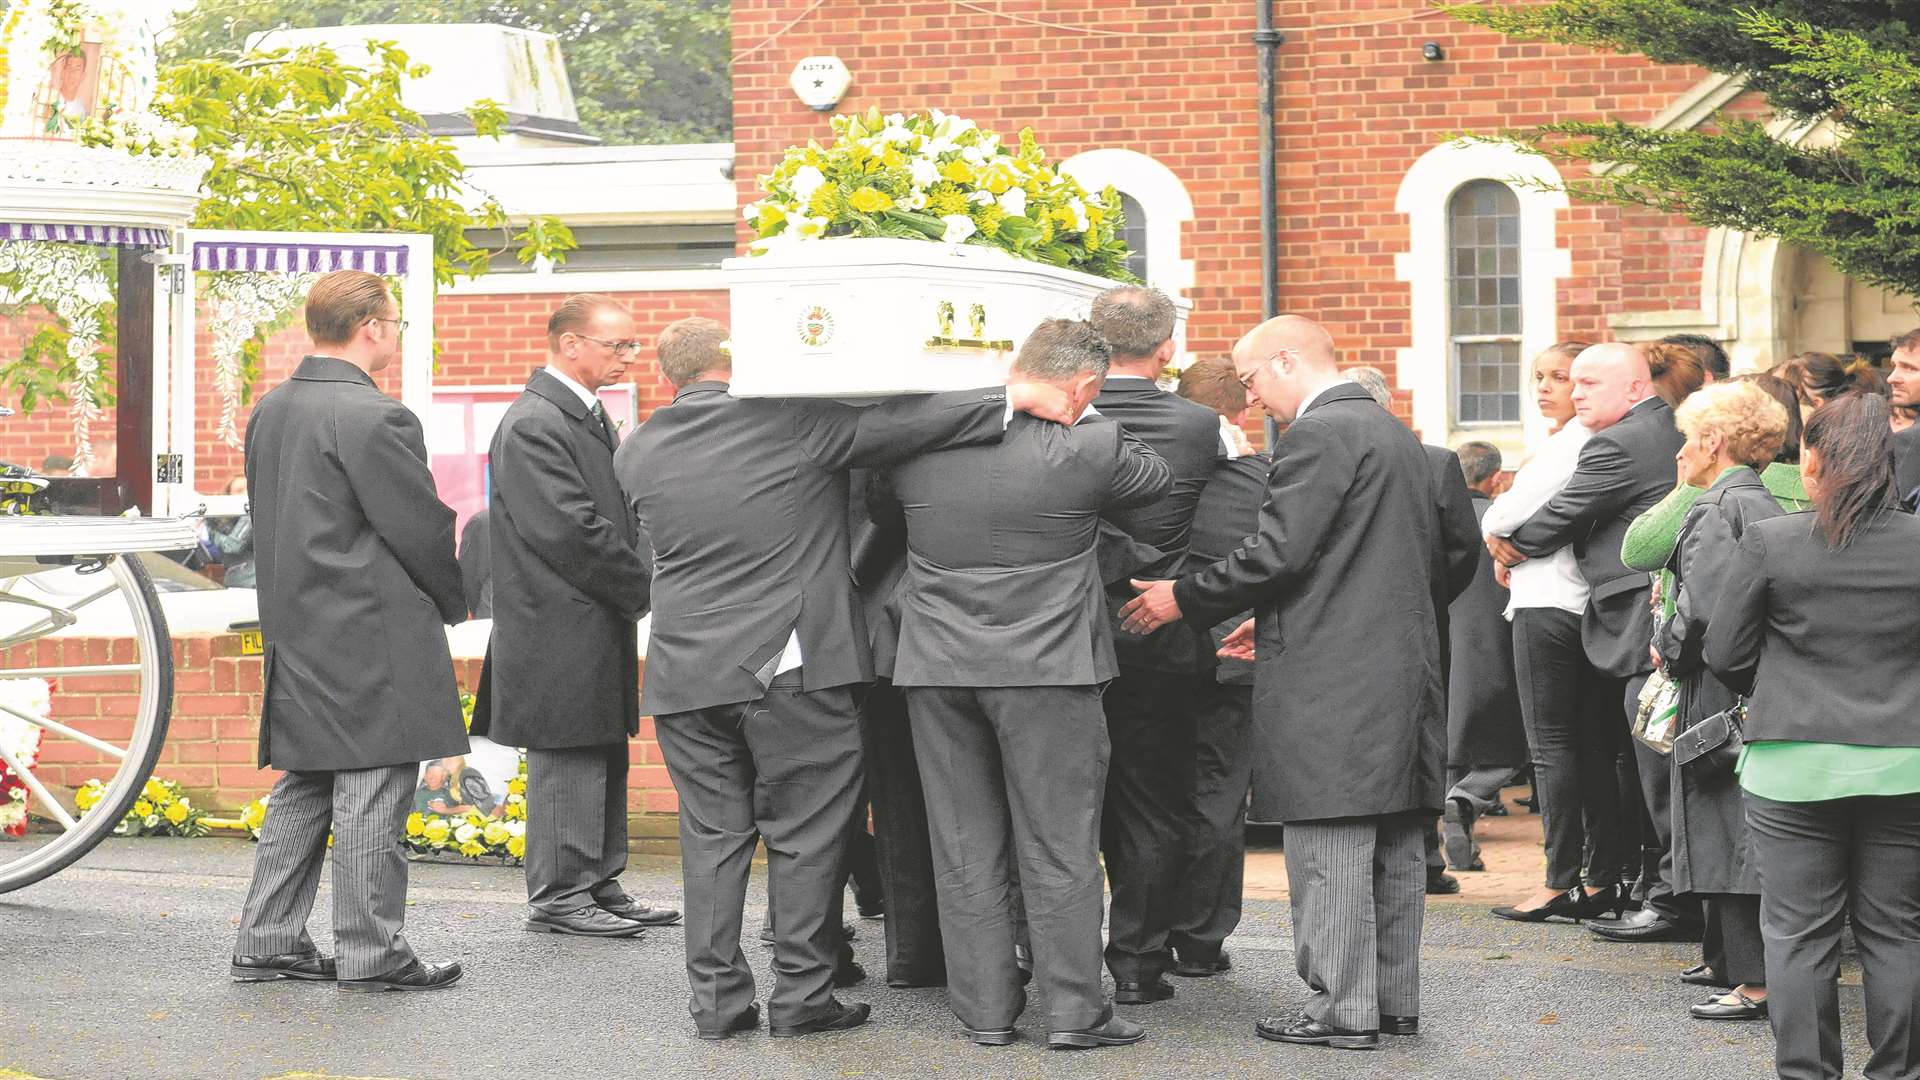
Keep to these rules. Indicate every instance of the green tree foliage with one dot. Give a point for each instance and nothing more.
(1856, 65)
(643, 71)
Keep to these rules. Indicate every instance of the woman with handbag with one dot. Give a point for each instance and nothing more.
(1733, 430)
(1821, 611)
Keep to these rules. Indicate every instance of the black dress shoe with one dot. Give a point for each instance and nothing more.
(1441, 883)
(1399, 1025)
(308, 965)
(1643, 925)
(1741, 1008)
(1702, 975)
(585, 922)
(1498, 809)
(848, 973)
(417, 975)
(1201, 967)
(1110, 1031)
(1142, 993)
(838, 1017)
(746, 1021)
(1573, 905)
(989, 1036)
(626, 907)
(870, 909)
(1314, 1033)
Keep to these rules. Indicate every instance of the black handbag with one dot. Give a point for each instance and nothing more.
(1713, 745)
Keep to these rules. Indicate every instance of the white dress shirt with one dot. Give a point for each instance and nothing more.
(1317, 395)
(1550, 581)
(586, 396)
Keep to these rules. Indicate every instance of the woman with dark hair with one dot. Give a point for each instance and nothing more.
(1818, 616)
(1821, 377)
(1677, 371)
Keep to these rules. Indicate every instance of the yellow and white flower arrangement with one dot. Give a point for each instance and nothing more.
(141, 134)
(935, 176)
(163, 809)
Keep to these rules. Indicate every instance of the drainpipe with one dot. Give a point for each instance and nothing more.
(1268, 41)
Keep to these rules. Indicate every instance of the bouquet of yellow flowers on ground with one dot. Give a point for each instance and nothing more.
(934, 176)
(472, 835)
(162, 810)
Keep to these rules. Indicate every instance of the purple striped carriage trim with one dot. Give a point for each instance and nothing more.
(102, 235)
(299, 258)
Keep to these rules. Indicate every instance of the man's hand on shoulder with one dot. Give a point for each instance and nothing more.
(1042, 401)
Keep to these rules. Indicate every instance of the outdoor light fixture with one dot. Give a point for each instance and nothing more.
(1432, 51)
(820, 81)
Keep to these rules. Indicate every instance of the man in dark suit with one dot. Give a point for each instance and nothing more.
(357, 583)
(1146, 819)
(1213, 870)
(1455, 558)
(1346, 683)
(758, 653)
(476, 564)
(1624, 470)
(1903, 383)
(1003, 648)
(562, 672)
(1486, 745)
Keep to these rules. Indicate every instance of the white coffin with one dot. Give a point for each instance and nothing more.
(853, 317)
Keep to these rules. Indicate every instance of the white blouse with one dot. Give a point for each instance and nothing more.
(1550, 581)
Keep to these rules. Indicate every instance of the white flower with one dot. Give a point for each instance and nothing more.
(808, 228)
(895, 120)
(917, 200)
(806, 180)
(896, 134)
(980, 197)
(925, 172)
(959, 227)
(1079, 214)
(1014, 201)
(973, 155)
(751, 211)
(466, 833)
(516, 828)
(938, 145)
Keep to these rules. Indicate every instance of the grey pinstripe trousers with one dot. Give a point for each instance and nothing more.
(1359, 897)
(366, 810)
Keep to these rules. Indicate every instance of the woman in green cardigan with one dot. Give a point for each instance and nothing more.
(1821, 612)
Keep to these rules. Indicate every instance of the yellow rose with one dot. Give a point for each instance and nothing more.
(416, 823)
(177, 813)
(957, 171)
(472, 850)
(770, 216)
(436, 831)
(870, 201)
(143, 808)
(88, 796)
(517, 846)
(495, 833)
(516, 811)
(155, 791)
(518, 785)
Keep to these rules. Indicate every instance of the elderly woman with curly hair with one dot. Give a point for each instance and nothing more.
(1733, 431)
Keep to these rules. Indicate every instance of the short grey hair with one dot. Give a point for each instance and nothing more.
(1479, 461)
(1135, 320)
(1374, 382)
(1062, 348)
(691, 347)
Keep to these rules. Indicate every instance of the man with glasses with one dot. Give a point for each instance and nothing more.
(569, 584)
(1347, 696)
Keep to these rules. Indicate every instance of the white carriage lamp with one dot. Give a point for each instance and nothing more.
(820, 81)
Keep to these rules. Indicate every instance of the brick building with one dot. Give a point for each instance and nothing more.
(1441, 262)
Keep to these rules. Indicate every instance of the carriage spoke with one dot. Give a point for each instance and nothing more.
(54, 809)
(59, 728)
(71, 670)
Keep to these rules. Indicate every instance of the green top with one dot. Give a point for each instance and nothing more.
(1651, 538)
(1783, 480)
(1816, 771)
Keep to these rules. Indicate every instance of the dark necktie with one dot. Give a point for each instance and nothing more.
(606, 428)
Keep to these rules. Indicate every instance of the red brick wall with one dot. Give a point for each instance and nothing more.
(210, 744)
(1356, 104)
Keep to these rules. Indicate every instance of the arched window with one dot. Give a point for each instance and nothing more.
(1484, 313)
(1135, 234)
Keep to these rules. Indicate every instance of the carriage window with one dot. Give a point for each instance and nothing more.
(1483, 249)
(1135, 234)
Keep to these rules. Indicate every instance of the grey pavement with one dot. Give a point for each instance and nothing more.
(116, 969)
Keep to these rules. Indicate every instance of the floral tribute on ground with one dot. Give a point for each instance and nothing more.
(934, 176)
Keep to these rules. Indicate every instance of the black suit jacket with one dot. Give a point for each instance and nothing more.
(1002, 585)
(1833, 634)
(1623, 471)
(357, 577)
(1906, 463)
(1228, 514)
(1483, 700)
(744, 503)
(1347, 688)
(569, 582)
(1457, 556)
(1187, 436)
(476, 565)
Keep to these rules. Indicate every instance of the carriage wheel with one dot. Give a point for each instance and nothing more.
(116, 591)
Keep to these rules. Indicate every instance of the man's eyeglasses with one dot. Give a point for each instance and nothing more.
(399, 325)
(1246, 380)
(620, 348)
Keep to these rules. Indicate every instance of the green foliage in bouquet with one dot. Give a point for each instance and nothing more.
(162, 810)
(933, 176)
